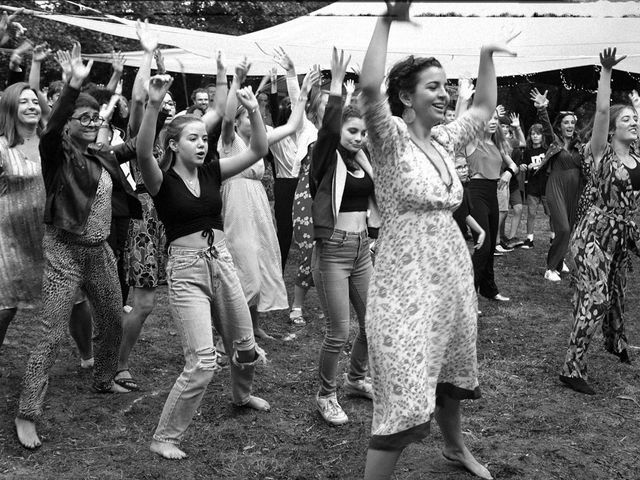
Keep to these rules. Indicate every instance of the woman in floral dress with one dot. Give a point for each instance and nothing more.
(422, 307)
(606, 234)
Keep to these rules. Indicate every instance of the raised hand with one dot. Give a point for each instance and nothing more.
(515, 120)
(501, 111)
(159, 58)
(539, 99)
(465, 89)
(41, 52)
(350, 87)
(158, 87)
(107, 109)
(63, 57)
(79, 71)
(242, 69)
(310, 79)
(6, 21)
(502, 46)
(220, 63)
(148, 39)
(117, 61)
(18, 54)
(608, 58)
(282, 59)
(398, 11)
(247, 99)
(339, 65)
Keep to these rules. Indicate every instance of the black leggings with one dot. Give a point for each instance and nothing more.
(484, 209)
(284, 189)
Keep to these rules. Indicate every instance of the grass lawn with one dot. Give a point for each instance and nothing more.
(525, 426)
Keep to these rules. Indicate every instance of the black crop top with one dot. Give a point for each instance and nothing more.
(183, 213)
(357, 191)
(634, 176)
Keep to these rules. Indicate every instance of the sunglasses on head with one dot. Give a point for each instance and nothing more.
(567, 112)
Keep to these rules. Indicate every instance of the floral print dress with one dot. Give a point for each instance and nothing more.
(422, 306)
(601, 244)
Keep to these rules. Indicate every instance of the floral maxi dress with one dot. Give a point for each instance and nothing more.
(422, 306)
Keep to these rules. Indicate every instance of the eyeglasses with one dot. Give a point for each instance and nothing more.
(170, 103)
(85, 119)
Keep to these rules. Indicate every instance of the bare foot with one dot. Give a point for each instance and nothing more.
(27, 435)
(257, 403)
(467, 461)
(115, 388)
(167, 450)
(260, 333)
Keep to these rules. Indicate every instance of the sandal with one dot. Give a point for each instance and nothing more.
(126, 382)
(295, 316)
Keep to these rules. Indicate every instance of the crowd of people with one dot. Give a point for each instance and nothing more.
(395, 197)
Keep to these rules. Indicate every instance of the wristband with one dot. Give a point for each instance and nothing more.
(513, 174)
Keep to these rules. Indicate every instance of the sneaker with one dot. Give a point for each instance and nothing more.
(514, 242)
(500, 298)
(527, 244)
(552, 276)
(565, 269)
(295, 316)
(359, 388)
(496, 253)
(503, 248)
(331, 410)
(127, 308)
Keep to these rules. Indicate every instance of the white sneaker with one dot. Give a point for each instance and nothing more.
(127, 308)
(331, 410)
(552, 276)
(359, 388)
(565, 269)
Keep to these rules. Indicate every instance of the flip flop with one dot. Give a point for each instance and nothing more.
(128, 383)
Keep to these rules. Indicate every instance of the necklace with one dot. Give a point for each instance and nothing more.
(191, 185)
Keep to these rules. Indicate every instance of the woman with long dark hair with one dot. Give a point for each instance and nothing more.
(422, 308)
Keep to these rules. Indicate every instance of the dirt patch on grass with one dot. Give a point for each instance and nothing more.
(526, 425)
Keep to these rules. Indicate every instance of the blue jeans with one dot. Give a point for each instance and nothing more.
(341, 272)
(204, 288)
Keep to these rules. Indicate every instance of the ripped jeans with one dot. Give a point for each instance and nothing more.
(203, 289)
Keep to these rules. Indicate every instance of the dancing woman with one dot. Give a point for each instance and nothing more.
(204, 288)
(563, 161)
(605, 236)
(343, 192)
(79, 177)
(422, 308)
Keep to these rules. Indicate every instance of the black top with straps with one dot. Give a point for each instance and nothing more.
(634, 175)
(181, 212)
(357, 191)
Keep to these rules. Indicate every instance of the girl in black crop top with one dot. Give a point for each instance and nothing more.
(203, 284)
(341, 263)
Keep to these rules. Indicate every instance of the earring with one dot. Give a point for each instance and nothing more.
(409, 115)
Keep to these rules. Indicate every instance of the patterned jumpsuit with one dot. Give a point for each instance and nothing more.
(601, 244)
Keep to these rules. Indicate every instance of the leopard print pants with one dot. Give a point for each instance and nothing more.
(69, 266)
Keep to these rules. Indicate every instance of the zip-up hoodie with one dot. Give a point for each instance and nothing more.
(329, 173)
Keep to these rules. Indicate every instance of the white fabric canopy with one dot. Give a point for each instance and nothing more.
(545, 43)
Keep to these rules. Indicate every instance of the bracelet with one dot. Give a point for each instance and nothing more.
(513, 174)
(253, 110)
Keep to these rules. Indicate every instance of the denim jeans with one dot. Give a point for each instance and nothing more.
(204, 288)
(341, 271)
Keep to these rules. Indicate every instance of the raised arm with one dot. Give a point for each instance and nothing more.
(228, 122)
(151, 172)
(376, 57)
(517, 128)
(601, 119)
(541, 102)
(117, 63)
(39, 54)
(149, 43)
(213, 116)
(486, 95)
(329, 133)
(258, 146)
(295, 119)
